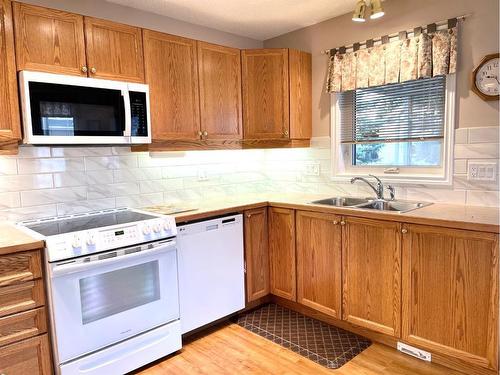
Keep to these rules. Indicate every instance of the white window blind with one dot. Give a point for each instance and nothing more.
(410, 111)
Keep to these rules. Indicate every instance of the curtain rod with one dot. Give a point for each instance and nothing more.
(395, 35)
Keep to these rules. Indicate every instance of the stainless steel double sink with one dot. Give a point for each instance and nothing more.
(396, 206)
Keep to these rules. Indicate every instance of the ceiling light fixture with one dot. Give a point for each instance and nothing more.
(359, 11)
(377, 11)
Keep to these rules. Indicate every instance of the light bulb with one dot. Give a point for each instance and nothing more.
(359, 11)
(376, 9)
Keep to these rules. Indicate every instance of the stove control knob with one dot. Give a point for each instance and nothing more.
(166, 225)
(76, 242)
(90, 240)
(146, 229)
(156, 228)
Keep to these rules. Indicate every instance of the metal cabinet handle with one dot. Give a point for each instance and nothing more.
(285, 133)
(342, 222)
(84, 70)
(200, 133)
(205, 133)
(404, 230)
(93, 70)
(335, 222)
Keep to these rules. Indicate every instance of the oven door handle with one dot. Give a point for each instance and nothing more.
(58, 271)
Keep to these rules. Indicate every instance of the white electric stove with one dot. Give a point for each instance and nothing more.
(112, 289)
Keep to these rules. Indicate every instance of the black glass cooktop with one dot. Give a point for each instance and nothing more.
(53, 228)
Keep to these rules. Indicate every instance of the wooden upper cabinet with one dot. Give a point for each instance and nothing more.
(372, 274)
(265, 94)
(319, 254)
(450, 292)
(10, 126)
(282, 253)
(172, 75)
(300, 67)
(114, 50)
(49, 40)
(256, 253)
(219, 70)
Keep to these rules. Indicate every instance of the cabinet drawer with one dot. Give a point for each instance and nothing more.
(30, 356)
(23, 325)
(21, 297)
(19, 267)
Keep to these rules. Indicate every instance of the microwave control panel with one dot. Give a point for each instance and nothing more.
(138, 108)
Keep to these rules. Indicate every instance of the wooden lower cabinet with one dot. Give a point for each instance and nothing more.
(256, 253)
(20, 267)
(30, 356)
(282, 252)
(319, 256)
(371, 274)
(450, 293)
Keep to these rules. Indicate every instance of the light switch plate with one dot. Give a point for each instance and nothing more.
(477, 171)
(312, 169)
(202, 175)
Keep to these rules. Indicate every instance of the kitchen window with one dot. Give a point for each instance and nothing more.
(402, 131)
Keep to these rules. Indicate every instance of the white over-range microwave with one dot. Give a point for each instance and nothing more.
(62, 109)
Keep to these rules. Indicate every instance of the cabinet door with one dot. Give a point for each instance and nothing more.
(49, 40)
(282, 253)
(219, 70)
(256, 253)
(265, 94)
(300, 94)
(172, 75)
(31, 356)
(319, 262)
(10, 126)
(450, 292)
(371, 265)
(114, 50)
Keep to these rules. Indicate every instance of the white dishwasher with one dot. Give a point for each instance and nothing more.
(211, 270)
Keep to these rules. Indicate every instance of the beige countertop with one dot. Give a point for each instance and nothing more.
(446, 215)
(13, 240)
(484, 219)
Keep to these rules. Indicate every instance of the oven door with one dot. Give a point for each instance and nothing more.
(99, 303)
(60, 109)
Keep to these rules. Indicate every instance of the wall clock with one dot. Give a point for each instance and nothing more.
(485, 78)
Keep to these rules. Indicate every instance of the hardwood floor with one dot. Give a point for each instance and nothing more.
(231, 349)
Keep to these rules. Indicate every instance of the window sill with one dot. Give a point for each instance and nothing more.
(399, 179)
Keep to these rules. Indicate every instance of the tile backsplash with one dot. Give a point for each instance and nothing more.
(49, 181)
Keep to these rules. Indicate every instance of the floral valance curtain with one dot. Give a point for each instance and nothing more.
(425, 55)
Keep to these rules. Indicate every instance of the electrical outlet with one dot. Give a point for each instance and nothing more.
(312, 169)
(482, 171)
(202, 175)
